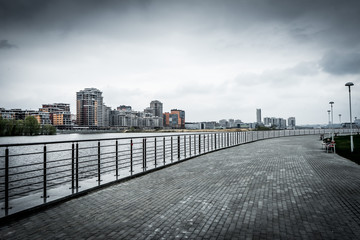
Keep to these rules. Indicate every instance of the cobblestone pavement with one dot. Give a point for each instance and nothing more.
(284, 188)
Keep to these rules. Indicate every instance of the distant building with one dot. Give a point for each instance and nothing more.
(42, 117)
(277, 123)
(291, 122)
(59, 113)
(267, 122)
(224, 123)
(89, 107)
(157, 107)
(124, 108)
(258, 115)
(193, 125)
(15, 114)
(201, 125)
(175, 119)
(18, 114)
(209, 125)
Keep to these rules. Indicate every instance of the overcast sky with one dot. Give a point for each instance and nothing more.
(214, 59)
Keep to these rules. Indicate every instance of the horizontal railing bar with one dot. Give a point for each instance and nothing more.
(27, 185)
(27, 165)
(24, 154)
(25, 172)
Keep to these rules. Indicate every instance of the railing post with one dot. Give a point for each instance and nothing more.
(171, 149)
(204, 143)
(155, 151)
(117, 158)
(208, 138)
(199, 144)
(164, 150)
(44, 196)
(131, 157)
(6, 207)
(77, 166)
(185, 146)
(144, 154)
(72, 166)
(194, 144)
(99, 164)
(212, 141)
(223, 140)
(178, 147)
(190, 145)
(215, 141)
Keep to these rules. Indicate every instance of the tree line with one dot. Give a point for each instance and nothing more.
(28, 127)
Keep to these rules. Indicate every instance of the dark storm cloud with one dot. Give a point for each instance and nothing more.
(332, 21)
(42, 14)
(341, 63)
(4, 44)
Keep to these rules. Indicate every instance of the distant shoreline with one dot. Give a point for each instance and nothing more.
(87, 131)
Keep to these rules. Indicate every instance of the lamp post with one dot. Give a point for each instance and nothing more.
(332, 120)
(340, 118)
(328, 118)
(349, 84)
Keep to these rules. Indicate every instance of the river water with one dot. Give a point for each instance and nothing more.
(73, 137)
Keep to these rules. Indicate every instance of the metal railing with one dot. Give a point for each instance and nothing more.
(33, 174)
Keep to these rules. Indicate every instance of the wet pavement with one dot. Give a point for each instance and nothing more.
(283, 188)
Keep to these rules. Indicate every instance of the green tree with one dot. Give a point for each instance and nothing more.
(48, 130)
(2, 126)
(32, 127)
(19, 128)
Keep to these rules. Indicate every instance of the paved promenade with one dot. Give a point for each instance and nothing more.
(285, 188)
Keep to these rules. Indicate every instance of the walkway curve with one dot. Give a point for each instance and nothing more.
(283, 188)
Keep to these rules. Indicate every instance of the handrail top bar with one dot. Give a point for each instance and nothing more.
(101, 139)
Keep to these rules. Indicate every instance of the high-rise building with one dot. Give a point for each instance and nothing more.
(291, 122)
(89, 107)
(157, 107)
(258, 115)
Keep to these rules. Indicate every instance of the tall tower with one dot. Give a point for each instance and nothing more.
(89, 107)
(157, 107)
(258, 115)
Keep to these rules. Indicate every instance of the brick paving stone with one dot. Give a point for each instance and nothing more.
(283, 188)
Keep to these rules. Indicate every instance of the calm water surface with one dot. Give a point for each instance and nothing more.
(73, 137)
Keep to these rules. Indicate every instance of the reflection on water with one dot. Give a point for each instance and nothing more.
(73, 137)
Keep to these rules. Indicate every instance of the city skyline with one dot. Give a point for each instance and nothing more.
(215, 59)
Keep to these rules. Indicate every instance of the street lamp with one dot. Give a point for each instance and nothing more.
(349, 84)
(340, 118)
(332, 121)
(329, 118)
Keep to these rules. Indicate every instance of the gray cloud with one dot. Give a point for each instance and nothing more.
(242, 54)
(4, 44)
(341, 63)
